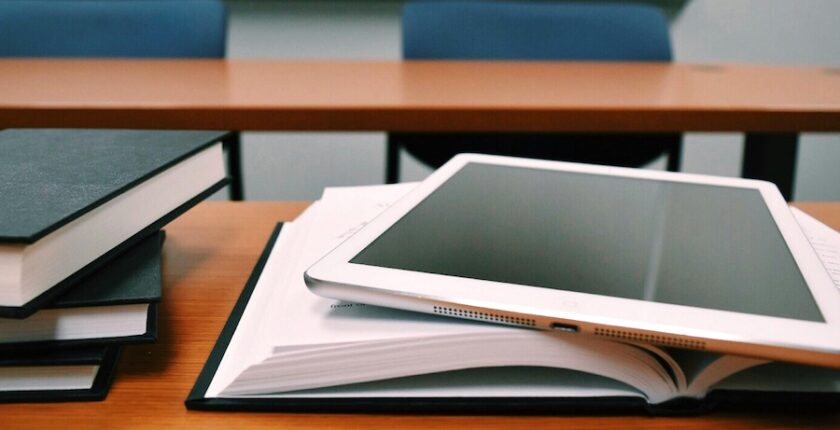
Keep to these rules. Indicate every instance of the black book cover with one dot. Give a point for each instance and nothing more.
(50, 295)
(49, 177)
(71, 181)
(727, 400)
(132, 277)
(105, 356)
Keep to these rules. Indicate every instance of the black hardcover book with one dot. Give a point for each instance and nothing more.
(74, 199)
(454, 392)
(82, 374)
(130, 278)
(114, 304)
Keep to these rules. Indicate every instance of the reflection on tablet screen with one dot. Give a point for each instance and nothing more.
(669, 242)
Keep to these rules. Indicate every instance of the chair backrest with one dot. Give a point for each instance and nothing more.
(113, 28)
(496, 30)
(534, 31)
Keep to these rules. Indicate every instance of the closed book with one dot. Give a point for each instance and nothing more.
(116, 303)
(82, 374)
(74, 199)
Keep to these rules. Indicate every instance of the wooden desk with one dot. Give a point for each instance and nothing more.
(208, 256)
(431, 96)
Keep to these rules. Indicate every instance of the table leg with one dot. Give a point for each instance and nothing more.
(771, 157)
(233, 144)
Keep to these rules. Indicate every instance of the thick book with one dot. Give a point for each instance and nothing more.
(286, 349)
(73, 199)
(62, 375)
(116, 303)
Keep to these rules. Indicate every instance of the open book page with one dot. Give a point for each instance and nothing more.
(512, 382)
(702, 369)
(826, 242)
(305, 330)
(349, 364)
(244, 347)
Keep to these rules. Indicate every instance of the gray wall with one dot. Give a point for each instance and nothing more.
(296, 166)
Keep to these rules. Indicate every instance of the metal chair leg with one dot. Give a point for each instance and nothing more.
(674, 157)
(233, 146)
(771, 157)
(392, 162)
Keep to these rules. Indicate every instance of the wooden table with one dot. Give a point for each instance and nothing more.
(771, 103)
(208, 255)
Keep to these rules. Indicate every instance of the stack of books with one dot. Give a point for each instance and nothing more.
(287, 349)
(81, 213)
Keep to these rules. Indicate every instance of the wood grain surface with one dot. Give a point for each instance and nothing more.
(208, 255)
(417, 95)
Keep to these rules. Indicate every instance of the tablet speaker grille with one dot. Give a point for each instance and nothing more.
(651, 338)
(484, 316)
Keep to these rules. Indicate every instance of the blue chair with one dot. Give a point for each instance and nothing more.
(120, 29)
(113, 28)
(489, 30)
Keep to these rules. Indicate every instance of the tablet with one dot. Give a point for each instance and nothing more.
(673, 259)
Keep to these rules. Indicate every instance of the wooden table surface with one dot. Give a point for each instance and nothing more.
(208, 255)
(432, 96)
(417, 95)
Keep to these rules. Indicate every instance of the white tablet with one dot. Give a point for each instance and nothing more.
(673, 259)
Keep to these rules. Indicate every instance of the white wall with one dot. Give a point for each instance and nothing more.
(298, 165)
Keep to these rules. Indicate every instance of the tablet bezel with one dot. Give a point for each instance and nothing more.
(726, 331)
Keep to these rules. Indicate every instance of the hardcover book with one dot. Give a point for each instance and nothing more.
(114, 304)
(73, 199)
(83, 374)
(286, 349)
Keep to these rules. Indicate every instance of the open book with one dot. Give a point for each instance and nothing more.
(289, 345)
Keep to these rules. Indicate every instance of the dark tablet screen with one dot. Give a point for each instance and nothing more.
(669, 242)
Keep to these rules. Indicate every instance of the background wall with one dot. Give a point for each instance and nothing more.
(296, 166)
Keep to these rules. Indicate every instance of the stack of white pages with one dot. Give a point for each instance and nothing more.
(290, 345)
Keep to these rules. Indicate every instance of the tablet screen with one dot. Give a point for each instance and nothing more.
(688, 244)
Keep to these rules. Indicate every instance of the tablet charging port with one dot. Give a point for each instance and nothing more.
(569, 328)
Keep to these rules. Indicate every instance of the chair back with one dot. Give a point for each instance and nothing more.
(113, 28)
(496, 30)
(534, 31)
